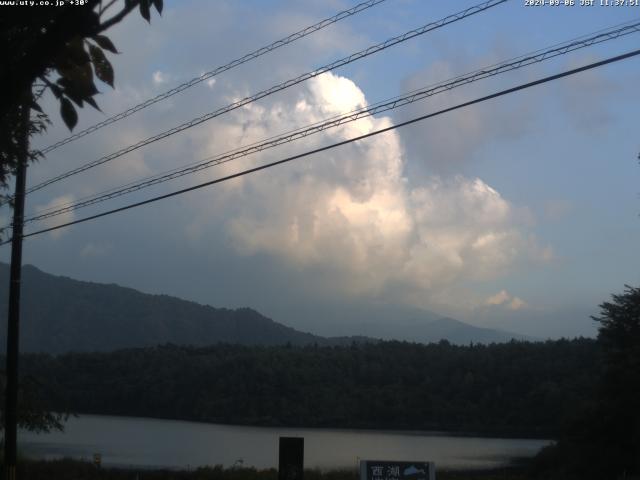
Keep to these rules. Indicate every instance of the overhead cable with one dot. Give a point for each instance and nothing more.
(386, 105)
(282, 86)
(216, 71)
(338, 144)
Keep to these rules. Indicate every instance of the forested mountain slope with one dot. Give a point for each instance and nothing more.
(60, 314)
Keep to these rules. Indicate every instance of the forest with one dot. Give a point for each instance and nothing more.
(510, 389)
(583, 393)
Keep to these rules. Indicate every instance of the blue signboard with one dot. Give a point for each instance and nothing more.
(389, 470)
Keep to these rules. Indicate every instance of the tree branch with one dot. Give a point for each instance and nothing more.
(116, 18)
(106, 7)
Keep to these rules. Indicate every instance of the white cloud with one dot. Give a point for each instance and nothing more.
(210, 82)
(505, 299)
(333, 94)
(499, 298)
(59, 219)
(160, 78)
(351, 212)
(517, 304)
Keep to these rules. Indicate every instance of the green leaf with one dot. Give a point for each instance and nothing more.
(93, 103)
(159, 5)
(104, 70)
(105, 43)
(91, 20)
(68, 113)
(79, 79)
(145, 11)
(75, 52)
(74, 96)
(56, 90)
(35, 106)
(77, 83)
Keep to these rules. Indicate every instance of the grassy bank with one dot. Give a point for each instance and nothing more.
(67, 469)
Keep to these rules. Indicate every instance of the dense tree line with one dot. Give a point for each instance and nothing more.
(603, 441)
(516, 388)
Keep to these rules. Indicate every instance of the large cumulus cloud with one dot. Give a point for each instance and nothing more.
(351, 211)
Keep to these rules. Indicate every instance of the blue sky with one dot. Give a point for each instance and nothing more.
(520, 213)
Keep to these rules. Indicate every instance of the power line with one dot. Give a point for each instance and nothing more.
(411, 97)
(386, 105)
(289, 83)
(344, 142)
(217, 71)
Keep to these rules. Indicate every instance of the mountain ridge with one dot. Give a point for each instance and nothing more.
(61, 314)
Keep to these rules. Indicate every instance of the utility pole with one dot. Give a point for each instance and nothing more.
(13, 324)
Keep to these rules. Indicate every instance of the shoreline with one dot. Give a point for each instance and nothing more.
(71, 468)
(137, 442)
(462, 433)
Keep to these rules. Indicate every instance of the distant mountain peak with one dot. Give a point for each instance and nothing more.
(60, 314)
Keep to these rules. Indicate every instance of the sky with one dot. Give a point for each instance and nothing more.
(520, 213)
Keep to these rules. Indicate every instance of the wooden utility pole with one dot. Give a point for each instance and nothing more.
(13, 324)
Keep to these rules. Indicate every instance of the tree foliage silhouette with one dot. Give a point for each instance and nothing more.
(619, 411)
(56, 49)
(60, 49)
(604, 441)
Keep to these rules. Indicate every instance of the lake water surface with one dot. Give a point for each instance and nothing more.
(142, 442)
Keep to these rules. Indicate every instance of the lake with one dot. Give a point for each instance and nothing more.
(144, 443)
